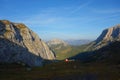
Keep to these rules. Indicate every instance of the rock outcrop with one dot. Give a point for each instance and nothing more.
(55, 42)
(105, 49)
(108, 35)
(20, 44)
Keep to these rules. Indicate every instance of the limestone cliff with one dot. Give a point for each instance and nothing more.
(20, 44)
(110, 34)
(107, 36)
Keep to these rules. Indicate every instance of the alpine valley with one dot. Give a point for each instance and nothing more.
(23, 55)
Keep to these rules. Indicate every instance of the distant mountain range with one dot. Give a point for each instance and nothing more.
(64, 49)
(71, 42)
(77, 42)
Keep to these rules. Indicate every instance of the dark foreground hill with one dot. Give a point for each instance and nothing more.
(108, 54)
(61, 71)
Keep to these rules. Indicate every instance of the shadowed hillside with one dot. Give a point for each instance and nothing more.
(108, 54)
(15, 53)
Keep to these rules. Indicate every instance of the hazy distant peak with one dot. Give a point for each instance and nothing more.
(57, 42)
(78, 42)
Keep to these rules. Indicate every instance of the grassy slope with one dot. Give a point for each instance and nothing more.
(59, 70)
(68, 51)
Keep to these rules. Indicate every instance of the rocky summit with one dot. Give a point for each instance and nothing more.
(109, 35)
(55, 42)
(20, 44)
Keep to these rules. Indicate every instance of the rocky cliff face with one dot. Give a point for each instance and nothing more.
(108, 35)
(20, 44)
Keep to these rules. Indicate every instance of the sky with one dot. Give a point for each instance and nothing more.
(63, 19)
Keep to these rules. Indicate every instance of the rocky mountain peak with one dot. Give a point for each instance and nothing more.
(5, 22)
(19, 43)
(110, 34)
(57, 42)
(107, 36)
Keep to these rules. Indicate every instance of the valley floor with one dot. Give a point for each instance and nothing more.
(61, 71)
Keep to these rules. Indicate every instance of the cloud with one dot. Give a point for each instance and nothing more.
(38, 19)
(63, 17)
(54, 15)
(83, 5)
(45, 17)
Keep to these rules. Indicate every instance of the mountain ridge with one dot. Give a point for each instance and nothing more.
(56, 42)
(23, 43)
(107, 36)
(104, 49)
(77, 42)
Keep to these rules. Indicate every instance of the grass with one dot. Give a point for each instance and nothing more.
(60, 70)
(68, 51)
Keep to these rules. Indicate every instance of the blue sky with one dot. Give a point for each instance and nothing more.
(64, 19)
